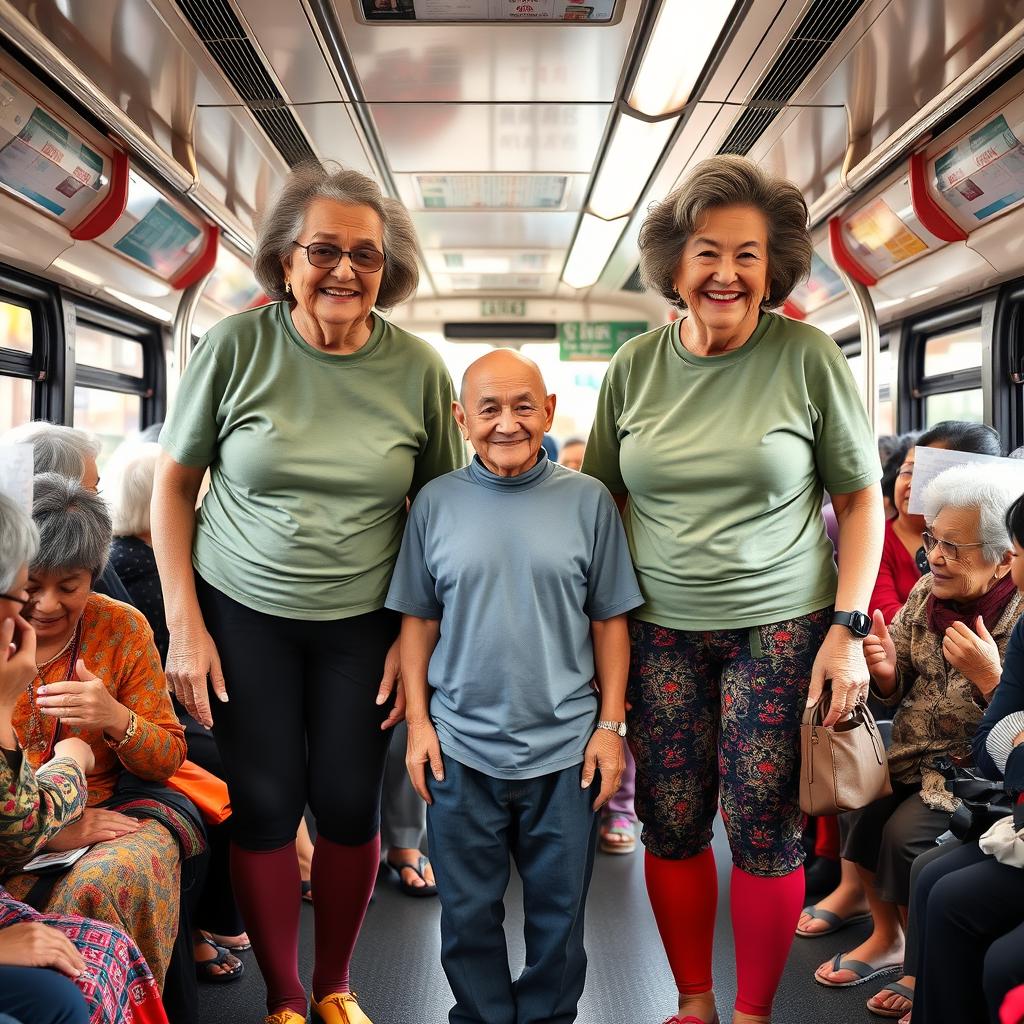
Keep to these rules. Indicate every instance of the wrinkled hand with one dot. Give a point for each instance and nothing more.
(34, 944)
(423, 748)
(973, 654)
(880, 653)
(841, 661)
(605, 752)
(83, 702)
(192, 660)
(17, 659)
(78, 750)
(95, 826)
(392, 680)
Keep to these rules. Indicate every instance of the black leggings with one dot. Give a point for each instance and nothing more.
(301, 725)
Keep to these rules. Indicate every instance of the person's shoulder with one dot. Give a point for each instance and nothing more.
(796, 335)
(642, 346)
(243, 330)
(413, 349)
(573, 482)
(915, 606)
(441, 487)
(107, 615)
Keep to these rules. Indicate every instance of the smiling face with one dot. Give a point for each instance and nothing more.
(970, 575)
(505, 411)
(59, 600)
(336, 300)
(723, 272)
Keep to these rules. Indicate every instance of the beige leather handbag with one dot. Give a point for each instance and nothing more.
(843, 767)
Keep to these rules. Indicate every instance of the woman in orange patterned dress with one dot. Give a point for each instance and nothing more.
(99, 678)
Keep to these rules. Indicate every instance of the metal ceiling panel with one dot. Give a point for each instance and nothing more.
(409, 191)
(472, 230)
(489, 63)
(330, 128)
(422, 137)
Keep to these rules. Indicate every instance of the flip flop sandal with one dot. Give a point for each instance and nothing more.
(408, 888)
(834, 921)
(864, 972)
(617, 825)
(239, 947)
(897, 989)
(307, 891)
(211, 977)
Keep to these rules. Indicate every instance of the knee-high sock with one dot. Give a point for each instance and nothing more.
(764, 916)
(342, 878)
(826, 842)
(266, 885)
(684, 897)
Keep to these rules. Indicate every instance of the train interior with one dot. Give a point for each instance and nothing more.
(140, 139)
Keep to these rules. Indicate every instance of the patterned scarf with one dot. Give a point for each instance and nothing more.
(990, 606)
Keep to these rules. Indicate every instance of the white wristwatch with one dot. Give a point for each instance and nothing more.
(616, 727)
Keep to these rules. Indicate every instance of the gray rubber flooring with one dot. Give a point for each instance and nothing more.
(398, 977)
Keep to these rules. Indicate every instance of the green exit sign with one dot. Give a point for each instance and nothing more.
(503, 307)
(595, 340)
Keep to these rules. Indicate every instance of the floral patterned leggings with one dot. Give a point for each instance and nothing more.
(720, 712)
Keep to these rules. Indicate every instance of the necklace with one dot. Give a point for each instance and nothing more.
(37, 740)
(40, 669)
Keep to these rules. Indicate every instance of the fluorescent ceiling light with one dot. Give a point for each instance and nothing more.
(683, 38)
(141, 305)
(635, 147)
(594, 243)
(69, 268)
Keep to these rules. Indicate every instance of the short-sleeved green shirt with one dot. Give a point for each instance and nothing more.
(311, 459)
(724, 459)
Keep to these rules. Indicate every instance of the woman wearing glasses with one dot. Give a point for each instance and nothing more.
(317, 419)
(938, 664)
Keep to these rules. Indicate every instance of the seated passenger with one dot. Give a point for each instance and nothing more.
(99, 678)
(38, 954)
(514, 579)
(71, 453)
(967, 908)
(940, 663)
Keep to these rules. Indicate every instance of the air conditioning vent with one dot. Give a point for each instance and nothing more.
(820, 27)
(224, 36)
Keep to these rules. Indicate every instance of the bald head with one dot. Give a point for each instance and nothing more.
(504, 410)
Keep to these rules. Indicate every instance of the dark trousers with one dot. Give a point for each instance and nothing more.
(301, 724)
(971, 937)
(475, 824)
(38, 995)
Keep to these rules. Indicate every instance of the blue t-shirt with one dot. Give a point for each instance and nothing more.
(515, 568)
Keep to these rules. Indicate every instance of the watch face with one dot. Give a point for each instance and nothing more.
(860, 624)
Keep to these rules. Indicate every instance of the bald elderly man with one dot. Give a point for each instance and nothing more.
(514, 579)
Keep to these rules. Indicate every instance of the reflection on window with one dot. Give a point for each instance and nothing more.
(886, 419)
(15, 402)
(94, 347)
(883, 368)
(957, 405)
(952, 351)
(109, 414)
(15, 327)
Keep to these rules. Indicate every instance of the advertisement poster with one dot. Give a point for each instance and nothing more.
(983, 173)
(488, 10)
(882, 239)
(162, 240)
(42, 161)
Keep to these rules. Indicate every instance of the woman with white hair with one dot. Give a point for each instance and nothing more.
(938, 663)
(318, 419)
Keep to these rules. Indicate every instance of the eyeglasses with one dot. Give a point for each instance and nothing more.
(364, 260)
(948, 549)
(28, 604)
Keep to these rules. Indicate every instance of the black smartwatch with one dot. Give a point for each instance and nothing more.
(856, 622)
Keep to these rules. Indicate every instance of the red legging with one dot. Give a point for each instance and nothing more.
(684, 896)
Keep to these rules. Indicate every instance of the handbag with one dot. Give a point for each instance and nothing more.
(842, 767)
(204, 789)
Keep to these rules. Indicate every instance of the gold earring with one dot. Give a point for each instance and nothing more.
(287, 287)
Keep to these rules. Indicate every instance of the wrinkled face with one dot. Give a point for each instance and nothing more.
(969, 575)
(59, 600)
(723, 272)
(572, 456)
(505, 412)
(338, 297)
(9, 609)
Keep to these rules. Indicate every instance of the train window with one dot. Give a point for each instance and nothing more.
(108, 351)
(15, 327)
(16, 363)
(15, 402)
(883, 372)
(108, 414)
(954, 405)
(950, 351)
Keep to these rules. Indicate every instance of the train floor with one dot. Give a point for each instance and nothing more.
(398, 977)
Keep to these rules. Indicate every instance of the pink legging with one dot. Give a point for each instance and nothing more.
(684, 896)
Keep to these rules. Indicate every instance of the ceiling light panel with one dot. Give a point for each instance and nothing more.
(594, 243)
(634, 151)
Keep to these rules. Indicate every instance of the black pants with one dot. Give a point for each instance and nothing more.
(970, 937)
(301, 724)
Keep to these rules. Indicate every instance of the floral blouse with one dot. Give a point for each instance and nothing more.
(117, 646)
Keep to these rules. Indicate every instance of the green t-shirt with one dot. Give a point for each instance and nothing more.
(724, 459)
(311, 459)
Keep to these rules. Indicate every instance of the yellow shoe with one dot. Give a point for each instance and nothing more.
(284, 1017)
(338, 1008)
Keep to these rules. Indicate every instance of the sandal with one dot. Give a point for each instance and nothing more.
(307, 891)
(617, 825)
(231, 947)
(862, 971)
(896, 988)
(222, 959)
(418, 868)
(834, 921)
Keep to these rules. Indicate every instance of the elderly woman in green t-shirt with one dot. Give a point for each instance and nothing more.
(317, 419)
(722, 430)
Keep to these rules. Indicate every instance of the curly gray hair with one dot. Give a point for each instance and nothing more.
(18, 541)
(727, 181)
(988, 488)
(283, 221)
(73, 524)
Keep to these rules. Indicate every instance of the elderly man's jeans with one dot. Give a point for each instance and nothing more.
(475, 824)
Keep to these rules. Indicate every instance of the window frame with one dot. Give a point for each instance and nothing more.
(1007, 366)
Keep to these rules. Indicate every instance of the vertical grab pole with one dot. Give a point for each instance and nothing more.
(184, 317)
(870, 342)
